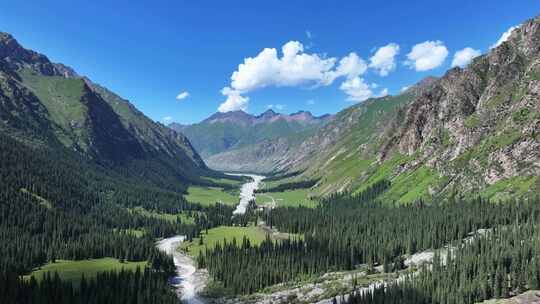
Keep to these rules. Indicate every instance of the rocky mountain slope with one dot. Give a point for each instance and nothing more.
(48, 104)
(238, 141)
(473, 131)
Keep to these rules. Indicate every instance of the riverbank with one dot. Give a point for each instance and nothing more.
(189, 281)
(247, 192)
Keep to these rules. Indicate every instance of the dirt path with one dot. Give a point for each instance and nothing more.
(273, 204)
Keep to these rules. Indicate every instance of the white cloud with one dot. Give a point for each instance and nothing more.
(349, 66)
(384, 59)
(310, 102)
(234, 101)
(167, 119)
(463, 57)
(427, 55)
(277, 106)
(356, 89)
(293, 68)
(182, 95)
(309, 35)
(383, 92)
(405, 88)
(504, 36)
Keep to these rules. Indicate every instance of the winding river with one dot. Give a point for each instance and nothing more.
(247, 192)
(190, 281)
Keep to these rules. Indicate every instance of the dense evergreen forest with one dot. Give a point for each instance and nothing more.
(141, 286)
(53, 206)
(56, 206)
(346, 231)
(502, 263)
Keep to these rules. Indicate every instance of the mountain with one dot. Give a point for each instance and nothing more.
(47, 104)
(238, 141)
(474, 130)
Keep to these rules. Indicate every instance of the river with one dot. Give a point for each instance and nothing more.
(190, 281)
(247, 192)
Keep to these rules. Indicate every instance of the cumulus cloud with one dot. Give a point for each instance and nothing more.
(384, 59)
(356, 89)
(167, 119)
(405, 88)
(234, 101)
(293, 68)
(504, 36)
(349, 66)
(182, 95)
(427, 55)
(463, 57)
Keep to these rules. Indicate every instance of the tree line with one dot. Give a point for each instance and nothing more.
(289, 186)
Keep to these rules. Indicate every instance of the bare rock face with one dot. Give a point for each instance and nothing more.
(474, 131)
(17, 57)
(480, 124)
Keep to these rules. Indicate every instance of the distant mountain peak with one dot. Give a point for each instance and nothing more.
(425, 84)
(239, 117)
(15, 56)
(268, 114)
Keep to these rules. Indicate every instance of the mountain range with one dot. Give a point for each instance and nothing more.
(85, 177)
(473, 131)
(238, 141)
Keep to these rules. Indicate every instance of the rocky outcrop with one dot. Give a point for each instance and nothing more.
(473, 131)
(478, 125)
(17, 57)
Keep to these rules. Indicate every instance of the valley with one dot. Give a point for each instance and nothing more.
(424, 194)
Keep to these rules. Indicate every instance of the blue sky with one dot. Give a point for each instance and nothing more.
(151, 51)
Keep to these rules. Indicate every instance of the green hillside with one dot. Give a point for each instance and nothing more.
(472, 131)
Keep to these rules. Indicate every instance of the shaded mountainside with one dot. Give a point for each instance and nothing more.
(238, 141)
(474, 131)
(48, 104)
